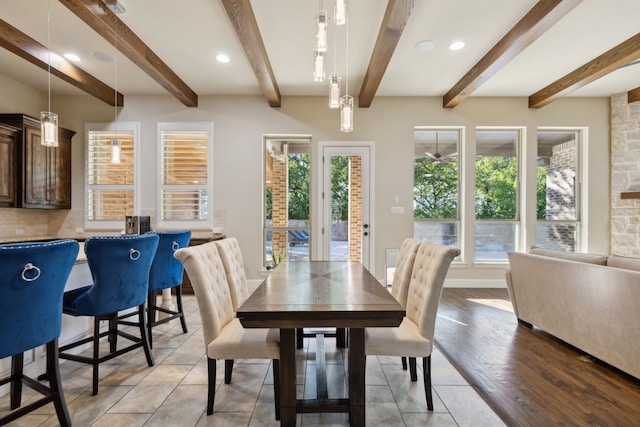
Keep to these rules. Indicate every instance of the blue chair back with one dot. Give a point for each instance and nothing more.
(32, 283)
(166, 271)
(120, 270)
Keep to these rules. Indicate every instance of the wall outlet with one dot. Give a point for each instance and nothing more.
(19, 231)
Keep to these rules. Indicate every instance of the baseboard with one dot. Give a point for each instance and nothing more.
(475, 283)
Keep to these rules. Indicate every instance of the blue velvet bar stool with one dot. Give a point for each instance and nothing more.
(120, 270)
(32, 283)
(166, 273)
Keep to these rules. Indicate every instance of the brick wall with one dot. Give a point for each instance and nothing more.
(561, 202)
(279, 205)
(355, 208)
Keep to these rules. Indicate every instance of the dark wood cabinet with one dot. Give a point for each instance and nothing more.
(8, 162)
(43, 173)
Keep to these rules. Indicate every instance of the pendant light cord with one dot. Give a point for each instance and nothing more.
(49, 49)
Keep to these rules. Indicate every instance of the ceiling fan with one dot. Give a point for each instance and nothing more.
(437, 157)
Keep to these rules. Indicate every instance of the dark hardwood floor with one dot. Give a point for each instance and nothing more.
(527, 376)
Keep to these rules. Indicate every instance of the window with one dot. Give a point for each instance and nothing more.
(185, 190)
(496, 197)
(558, 189)
(286, 199)
(436, 183)
(111, 186)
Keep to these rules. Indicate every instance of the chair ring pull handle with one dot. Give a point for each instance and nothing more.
(134, 254)
(175, 246)
(28, 267)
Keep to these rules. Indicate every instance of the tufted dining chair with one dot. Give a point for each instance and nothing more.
(166, 273)
(414, 336)
(231, 257)
(33, 279)
(400, 284)
(120, 270)
(224, 336)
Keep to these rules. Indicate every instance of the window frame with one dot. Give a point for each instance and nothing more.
(112, 127)
(458, 221)
(196, 224)
(579, 190)
(517, 221)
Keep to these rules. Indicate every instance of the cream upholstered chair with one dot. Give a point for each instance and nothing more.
(414, 336)
(224, 336)
(400, 284)
(231, 256)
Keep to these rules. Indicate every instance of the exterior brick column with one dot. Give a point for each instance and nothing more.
(355, 208)
(280, 206)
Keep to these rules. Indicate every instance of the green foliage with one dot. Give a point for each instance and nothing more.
(299, 179)
(340, 187)
(496, 187)
(541, 192)
(435, 190)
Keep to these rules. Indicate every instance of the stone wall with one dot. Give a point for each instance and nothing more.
(625, 176)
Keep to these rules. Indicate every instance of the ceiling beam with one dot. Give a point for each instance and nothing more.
(244, 22)
(611, 60)
(95, 14)
(539, 19)
(395, 19)
(633, 95)
(19, 43)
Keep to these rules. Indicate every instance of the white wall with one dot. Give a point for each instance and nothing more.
(240, 121)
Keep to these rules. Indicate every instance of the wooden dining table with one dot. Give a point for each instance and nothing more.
(318, 294)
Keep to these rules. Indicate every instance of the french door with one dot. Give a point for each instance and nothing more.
(346, 228)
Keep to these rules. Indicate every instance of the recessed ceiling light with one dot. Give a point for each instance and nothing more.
(101, 56)
(424, 46)
(222, 58)
(456, 45)
(72, 57)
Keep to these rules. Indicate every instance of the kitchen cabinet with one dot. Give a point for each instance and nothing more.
(43, 173)
(8, 162)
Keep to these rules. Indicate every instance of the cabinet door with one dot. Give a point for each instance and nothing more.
(59, 171)
(8, 165)
(35, 179)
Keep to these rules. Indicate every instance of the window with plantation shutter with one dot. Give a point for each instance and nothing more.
(185, 198)
(111, 174)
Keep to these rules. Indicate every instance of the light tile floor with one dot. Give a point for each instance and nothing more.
(174, 391)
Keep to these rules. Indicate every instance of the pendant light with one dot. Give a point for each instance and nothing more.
(346, 102)
(340, 12)
(48, 119)
(115, 142)
(318, 65)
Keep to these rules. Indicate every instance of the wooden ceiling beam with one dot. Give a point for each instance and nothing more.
(624, 53)
(95, 14)
(19, 43)
(244, 22)
(539, 19)
(633, 95)
(395, 19)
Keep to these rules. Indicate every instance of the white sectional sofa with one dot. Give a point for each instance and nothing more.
(589, 301)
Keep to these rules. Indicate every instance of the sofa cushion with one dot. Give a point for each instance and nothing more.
(628, 263)
(571, 256)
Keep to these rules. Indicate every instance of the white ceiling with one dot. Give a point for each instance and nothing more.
(187, 35)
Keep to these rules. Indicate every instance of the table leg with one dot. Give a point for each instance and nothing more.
(287, 377)
(356, 377)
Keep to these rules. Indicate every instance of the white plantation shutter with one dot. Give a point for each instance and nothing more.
(185, 175)
(111, 187)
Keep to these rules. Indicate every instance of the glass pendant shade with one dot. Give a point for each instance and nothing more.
(321, 32)
(340, 12)
(49, 129)
(318, 65)
(115, 151)
(346, 113)
(334, 91)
